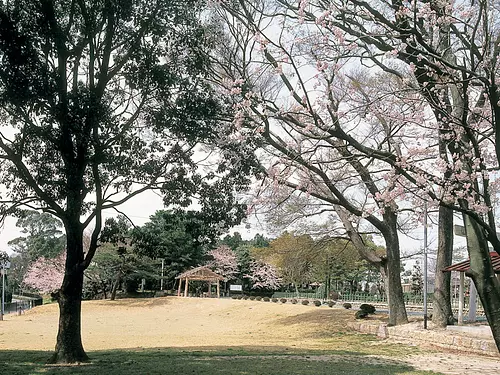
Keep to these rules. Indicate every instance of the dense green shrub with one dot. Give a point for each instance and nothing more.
(360, 314)
(258, 298)
(331, 303)
(240, 297)
(275, 300)
(305, 302)
(317, 303)
(334, 295)
(266, 299)
(294, 301)
(245, 297)
(369, 309)
(234, 297)
(252, 298)
(283, 300)
(347, 305)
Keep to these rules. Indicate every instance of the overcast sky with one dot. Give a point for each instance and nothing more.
(138, 209)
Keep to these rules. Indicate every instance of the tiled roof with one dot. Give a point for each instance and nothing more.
(465, 265)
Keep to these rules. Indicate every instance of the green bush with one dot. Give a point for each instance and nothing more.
(266, 299)
(245, 297)
(305, 302)
(252, 298)
(258, 298)
(317, 303)
(234, 297)
(275, 300)
(369, 309)
(347, 305)
(331, 303)
(283, 300)
(334, 295)
(8, 295)
(294, 301)
(361, 314)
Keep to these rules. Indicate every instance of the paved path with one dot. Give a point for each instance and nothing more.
(455, 364)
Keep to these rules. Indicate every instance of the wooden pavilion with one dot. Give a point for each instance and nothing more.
(200, 274)
(464, 269)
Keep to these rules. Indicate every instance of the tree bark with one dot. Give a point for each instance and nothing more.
(115, 288)
(391, 265)
(481, 271)
(442, 314)
(69, 347)
(397, 308)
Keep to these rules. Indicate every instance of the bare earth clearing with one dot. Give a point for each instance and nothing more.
(211, 323)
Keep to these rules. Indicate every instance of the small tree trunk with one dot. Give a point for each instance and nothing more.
(116, 284)
(487, 285)
(442, 314)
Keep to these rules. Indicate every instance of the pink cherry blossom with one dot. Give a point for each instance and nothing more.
(46, 275)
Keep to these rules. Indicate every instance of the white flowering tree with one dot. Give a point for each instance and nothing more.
(427, 125)
(263, 276)
(46, 275)
(223, 262)
(297, 102)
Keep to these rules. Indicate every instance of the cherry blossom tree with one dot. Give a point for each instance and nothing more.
(263, 276)
(451, 49)
(223, 261)
(443, 55)
(290, 92)
(46, 274)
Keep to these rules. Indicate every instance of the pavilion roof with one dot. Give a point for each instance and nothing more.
(465, 265)
(200, 273)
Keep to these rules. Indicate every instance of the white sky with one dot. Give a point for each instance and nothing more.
(138, 209)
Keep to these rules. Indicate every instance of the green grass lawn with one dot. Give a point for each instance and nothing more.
(206, 362)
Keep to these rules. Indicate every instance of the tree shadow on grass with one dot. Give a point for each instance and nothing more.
(207, 361)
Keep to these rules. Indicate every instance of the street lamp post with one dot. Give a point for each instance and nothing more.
(5, 266)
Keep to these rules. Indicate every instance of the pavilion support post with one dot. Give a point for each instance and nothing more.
(209, 289)
(472, 302)
(186, 287)
(461, 300)
(218, 289)
(179, 289)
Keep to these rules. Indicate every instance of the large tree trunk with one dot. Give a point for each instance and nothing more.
(481, 269)
(397, 308)
(69, 347)
(390, 267)
(442, 314)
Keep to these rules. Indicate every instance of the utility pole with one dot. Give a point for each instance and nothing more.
(162, 268)
(2, 312)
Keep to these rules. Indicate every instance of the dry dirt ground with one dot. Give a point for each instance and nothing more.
(218, 323)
